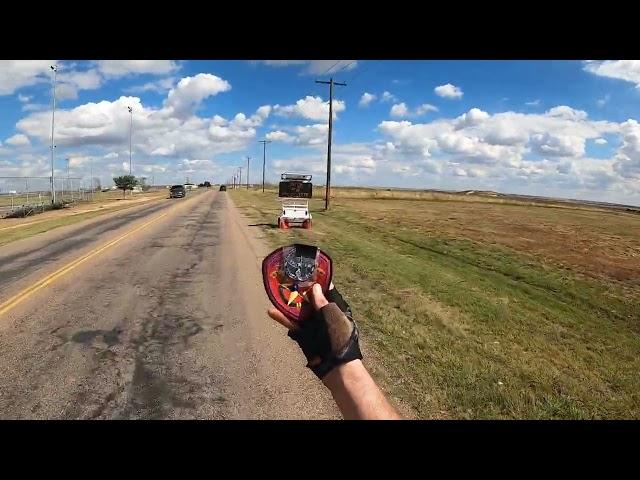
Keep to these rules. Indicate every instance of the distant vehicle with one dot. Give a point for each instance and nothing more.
(177, 191)
(190, 186)
(223, 188)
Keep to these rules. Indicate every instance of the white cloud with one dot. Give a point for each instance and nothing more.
(533, 103)
(158, 86)
(502, 141)
(312, 108)
(399, 110)
(627, 162)
(473, 117)
(120, 68)
(448, 91)
(83, 80)
(184, 99)
(600, 141)
(18, 140)
(66, 91)
(366, 99)
(604, 100)
(311, 134)
(315, 67)
(34, 107)
(426, 107)
(567, 113)
(558, 145)
(279, 136)
(388, 97)
(627, 70)
(173, 130)
(24, 98)
(16, 74)
(352, 165)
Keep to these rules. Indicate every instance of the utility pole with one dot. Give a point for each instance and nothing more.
(264, 156)
(130, 134)
(240, 179)
(53, 123)
(248, 159)
(331, 83)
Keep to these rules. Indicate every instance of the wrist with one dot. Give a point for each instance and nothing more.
(343, 374)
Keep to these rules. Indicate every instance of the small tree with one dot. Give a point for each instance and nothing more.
(125, 182)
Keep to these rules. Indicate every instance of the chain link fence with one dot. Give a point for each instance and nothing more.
(23, 196)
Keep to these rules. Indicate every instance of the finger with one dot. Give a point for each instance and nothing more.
(279, 317)
(315, 361)
(318, 300)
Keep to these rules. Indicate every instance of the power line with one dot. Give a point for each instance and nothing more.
(329, 69)
(361, 71)
(344, 67)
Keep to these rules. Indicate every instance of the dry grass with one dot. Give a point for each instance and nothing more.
(482, 309)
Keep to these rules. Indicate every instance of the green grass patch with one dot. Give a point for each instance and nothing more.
(472, 330)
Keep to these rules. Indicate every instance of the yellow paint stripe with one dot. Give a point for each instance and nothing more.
(27, 292)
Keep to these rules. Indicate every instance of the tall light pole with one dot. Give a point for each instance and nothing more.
(248, 159)
(240, 177)
(91, 175)
(53, 123)
(68, 180)
(264, 156)
(130, 134)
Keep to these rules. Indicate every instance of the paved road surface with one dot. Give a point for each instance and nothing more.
(167, 321)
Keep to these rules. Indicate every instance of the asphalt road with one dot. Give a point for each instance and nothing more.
(156, 312)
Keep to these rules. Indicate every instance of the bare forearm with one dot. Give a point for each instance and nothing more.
(357, 395)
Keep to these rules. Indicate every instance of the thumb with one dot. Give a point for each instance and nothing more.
(318, 300)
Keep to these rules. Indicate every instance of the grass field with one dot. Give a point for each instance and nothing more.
(476, 308)
(104, 202)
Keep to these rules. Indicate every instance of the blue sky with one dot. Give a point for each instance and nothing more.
(558, 128)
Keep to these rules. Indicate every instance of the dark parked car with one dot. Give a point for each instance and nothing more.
(223, 188)
(177, 191)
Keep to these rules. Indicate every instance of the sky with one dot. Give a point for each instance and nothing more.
(554, 128)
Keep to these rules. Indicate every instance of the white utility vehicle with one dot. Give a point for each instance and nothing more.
(295, 190)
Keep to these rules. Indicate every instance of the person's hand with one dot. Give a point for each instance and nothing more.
(330, 336)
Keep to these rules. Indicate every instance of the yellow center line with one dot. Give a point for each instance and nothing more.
(27, 292)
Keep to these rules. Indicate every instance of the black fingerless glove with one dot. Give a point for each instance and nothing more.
(330, 335)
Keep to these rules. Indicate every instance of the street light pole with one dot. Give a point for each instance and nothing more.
(53, 123)
(130, 134)
(69, 181)
(91, 175)
(248, 158)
